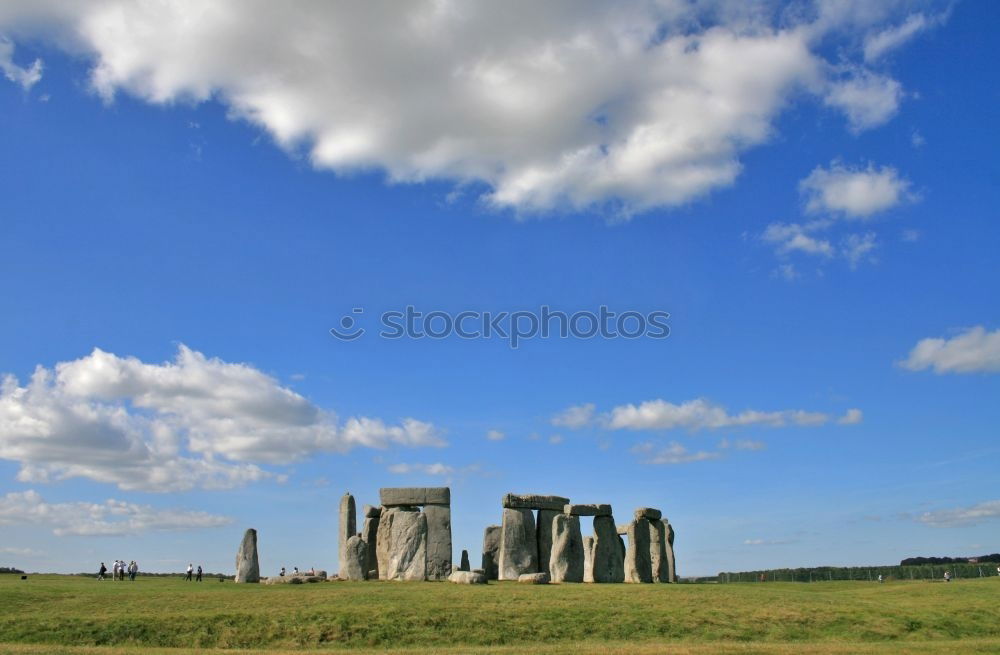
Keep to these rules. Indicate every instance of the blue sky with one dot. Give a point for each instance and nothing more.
(809, 190)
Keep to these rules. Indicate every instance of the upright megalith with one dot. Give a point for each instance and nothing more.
(408, 545)
(247, 565)
(658, 551)
(588, 559)
(518, 544)
(346, 528)
(464, 564)
(567, 557)
(671, 561)
(491, 552)
(543, 534)
(638, 567)
(383, 541)
(354, 560)
(608, 560)
(438, 541)
(369, 533)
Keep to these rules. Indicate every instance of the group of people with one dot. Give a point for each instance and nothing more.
(191, 570)
(119, 570)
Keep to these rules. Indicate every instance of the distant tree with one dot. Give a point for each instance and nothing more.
(10, 569)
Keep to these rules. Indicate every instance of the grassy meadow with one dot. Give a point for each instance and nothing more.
(66, 614)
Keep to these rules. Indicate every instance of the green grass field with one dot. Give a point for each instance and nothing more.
(64, 614)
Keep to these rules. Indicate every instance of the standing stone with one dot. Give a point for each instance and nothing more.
(369, 533)
(608, 560)
(438, 541)
(464, 564)
(567, 558)
(491, 552)
(671, 562)
(518, 544)
(355, 554)
(588, 559)
(544, 532)
(408, 551)
(383, 542)
(658, 551)
(347, 527)
(247, 566)
(637, 558)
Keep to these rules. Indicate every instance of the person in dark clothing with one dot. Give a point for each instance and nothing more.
(101, 571)
(198, 579)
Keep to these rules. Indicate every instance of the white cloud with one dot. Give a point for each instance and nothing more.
(742, 444)
(911, 236)
(766, 542)
(22, 552)
(193, 422)
(877, 44)
(786, 271)
(701, 414)
(24, 77)
(672, 453)
(985, 511)
(428, 469)
(858, 247)
(113, 517)
(854, 192)
(868, 99)
(556, 439)
(972, 351)
(575, 417)
(550, 105)
(495, 435)
(792, 237)
(852, 416)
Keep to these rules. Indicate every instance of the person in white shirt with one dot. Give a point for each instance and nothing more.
(190, 570)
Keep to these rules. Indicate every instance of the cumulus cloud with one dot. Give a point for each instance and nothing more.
(973, 351)
(701, 414)
(672, 453)
(852, 416)
(877, 44)
(852, 192)
(989, 510)
(436, 468)
(547, 105)
(495, 435)
(113, 517)
(192, 422)
(793, 237)
(868, 99)
(575, 417)
(24, 77)
(858, 247)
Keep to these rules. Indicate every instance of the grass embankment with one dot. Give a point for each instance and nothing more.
(78, 614)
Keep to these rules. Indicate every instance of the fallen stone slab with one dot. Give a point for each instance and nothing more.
(534, 501)
(293, 579)
(648, 513)
(575, 509)
(533, 578)
(419, 496)
(467, 577)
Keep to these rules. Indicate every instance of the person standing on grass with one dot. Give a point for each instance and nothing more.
(199, 574)
(133, 568)
(947, 576)
(101, 571)
(282, 571)
(190, 570)
(114, 570)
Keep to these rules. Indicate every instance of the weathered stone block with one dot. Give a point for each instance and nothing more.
(369, 533)
(567, 558)
(534, 501)
(491, 552)
(438, 541)
(544, 538)
(346, 528)
(577, 509)
(247, 565)
(518, 544)
(356, 552)
(588, 559)
(371, 511)
(658, 551)
(533, 578)
(464, 565)
(648, 513)
(400, 496)
(609, 558)
(467, 577)
(408, 552)
(638, 568)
